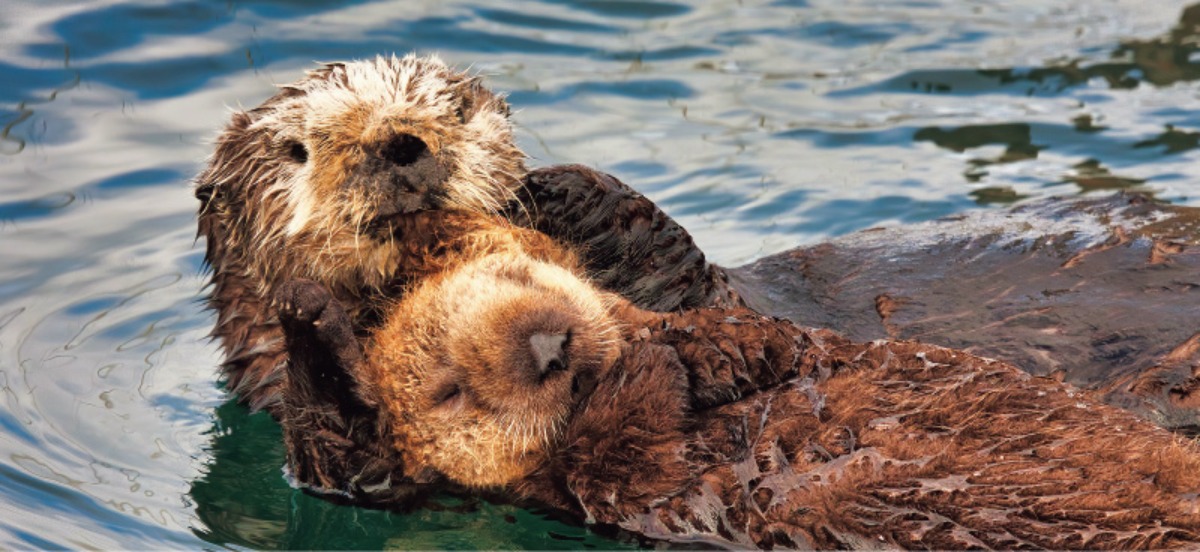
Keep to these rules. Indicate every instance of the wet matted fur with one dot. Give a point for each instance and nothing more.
(724, 427)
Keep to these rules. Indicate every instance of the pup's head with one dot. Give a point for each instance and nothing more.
(306, 183)
(479, 370)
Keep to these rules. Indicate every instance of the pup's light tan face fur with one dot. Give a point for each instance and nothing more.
(459, 366)
(306, 182)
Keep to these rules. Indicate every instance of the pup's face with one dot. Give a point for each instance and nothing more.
(322, 166)
(480, 370)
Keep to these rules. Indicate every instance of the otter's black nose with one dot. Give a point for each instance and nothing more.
(403, 149)
(549, 352)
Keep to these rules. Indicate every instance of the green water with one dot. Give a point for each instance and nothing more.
(243, 500)
(760, 125)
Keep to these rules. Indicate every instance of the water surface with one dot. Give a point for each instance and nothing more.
(760, 125)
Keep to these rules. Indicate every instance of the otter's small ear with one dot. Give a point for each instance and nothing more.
(239, 121)
(205, 191)
(471, 89)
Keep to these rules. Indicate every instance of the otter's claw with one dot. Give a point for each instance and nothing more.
(301, 301)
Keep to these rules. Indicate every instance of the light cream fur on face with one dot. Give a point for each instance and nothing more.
(302, 213)
(455, 328)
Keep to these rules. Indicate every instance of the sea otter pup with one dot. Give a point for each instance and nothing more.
(331, 424)
(507, 374)
(321, 180)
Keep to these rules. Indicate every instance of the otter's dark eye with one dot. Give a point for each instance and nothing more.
(297, 152)
(462, 117)
(447, 393)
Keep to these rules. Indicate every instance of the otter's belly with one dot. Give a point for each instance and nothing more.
(1104, 292)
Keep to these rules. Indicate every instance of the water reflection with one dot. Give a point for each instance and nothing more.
(1172, 140)
(1160, 61)
(1017, 140)
(1090, 175)
(11, 143)
(1163, 61)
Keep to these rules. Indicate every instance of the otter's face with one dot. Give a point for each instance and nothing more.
(313, 175)
(481, 369)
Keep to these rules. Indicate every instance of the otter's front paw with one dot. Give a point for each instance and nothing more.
(317, 329)
(301, 301)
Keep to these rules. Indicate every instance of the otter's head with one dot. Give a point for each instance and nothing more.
(479, 370)
(305, 184)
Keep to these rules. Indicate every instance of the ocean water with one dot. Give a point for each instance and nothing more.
(760, 125)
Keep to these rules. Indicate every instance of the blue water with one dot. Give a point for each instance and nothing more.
(759, 125)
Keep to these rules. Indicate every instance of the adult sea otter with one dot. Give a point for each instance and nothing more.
(313, 183)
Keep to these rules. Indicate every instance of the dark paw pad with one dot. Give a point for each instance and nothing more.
(301, 301)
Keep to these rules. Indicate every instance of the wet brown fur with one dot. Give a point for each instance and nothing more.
(905, 445)
(727, 428)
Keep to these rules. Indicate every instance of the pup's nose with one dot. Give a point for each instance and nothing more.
(549, 352)
(403, 149)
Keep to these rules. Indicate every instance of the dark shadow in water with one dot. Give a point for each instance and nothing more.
(1172, 140)
(110, 28)
(836, 34)
(642, 89)
(1160, 61)
(1015, 136)
(996, 195)
(243, 500)
(631, 9)
(1022, 142)
(1090, 175)
(1017, 139)
(542, 22)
